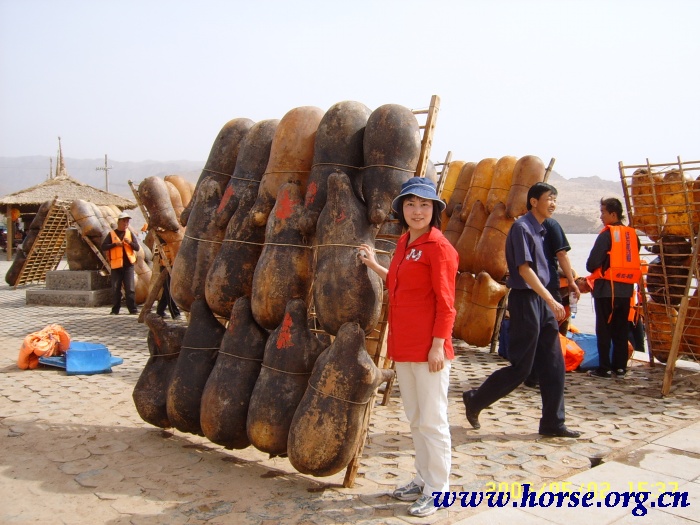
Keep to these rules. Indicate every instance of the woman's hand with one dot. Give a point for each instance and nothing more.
(436, 355)
(367, 255)
(369, 259)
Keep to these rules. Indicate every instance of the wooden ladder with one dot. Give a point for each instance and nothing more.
(49, 246)
(428, 128)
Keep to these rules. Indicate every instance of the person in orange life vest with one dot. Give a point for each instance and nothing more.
(615, 256)
(635, 322)
(421, 285)
(533, 332)
(120, 247)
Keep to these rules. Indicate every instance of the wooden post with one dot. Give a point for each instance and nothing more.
(442, 179)
(10, 233)
(548, 171)
(500, 314)
(351, 472)
(680, 322)
(152, 294)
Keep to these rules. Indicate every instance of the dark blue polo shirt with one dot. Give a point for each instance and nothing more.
(524, 244)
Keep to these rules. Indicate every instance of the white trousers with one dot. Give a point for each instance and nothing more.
(424, 396)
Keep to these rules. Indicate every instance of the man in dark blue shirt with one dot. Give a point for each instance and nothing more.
(533, 331)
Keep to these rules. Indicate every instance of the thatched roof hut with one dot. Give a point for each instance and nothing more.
(61, 186)
(65, 188)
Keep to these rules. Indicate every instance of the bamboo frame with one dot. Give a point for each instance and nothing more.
(670, 314)
(48, 247)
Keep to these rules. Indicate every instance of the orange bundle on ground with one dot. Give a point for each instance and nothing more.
(50, 341)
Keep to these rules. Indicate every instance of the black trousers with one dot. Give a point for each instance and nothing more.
(167, 300)
(612, 328)
(533, 342)
(123, 276)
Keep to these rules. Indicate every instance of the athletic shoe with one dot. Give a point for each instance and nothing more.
(620, 373)
(424, 506)
(410, 492)
(599, 373)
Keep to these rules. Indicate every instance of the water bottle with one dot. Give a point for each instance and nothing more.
(572, 304)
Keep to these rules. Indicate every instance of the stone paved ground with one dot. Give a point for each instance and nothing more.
(75, 451)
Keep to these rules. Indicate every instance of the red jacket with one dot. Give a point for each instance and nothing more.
(421, 284)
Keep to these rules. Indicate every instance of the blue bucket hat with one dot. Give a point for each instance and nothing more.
(420, 187)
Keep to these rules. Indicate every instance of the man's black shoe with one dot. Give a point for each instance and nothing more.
(562, 432)
(133, 312)
(472, 415)
(600, 373)
(113, 313)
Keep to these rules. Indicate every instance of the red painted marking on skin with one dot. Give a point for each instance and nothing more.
(311, 191)
(285, 337)
(341, 217)
(283, 206)
(230, 192)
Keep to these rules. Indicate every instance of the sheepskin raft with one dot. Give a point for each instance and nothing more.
(327, 424)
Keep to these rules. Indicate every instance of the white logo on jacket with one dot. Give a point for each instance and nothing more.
(414, 254)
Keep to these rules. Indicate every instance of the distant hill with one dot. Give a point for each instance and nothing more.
(18, 173)
(578, 202)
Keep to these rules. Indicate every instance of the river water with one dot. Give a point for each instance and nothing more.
(581, 244)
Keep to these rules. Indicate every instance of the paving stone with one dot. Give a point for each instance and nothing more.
(99, 478)
(612, 441)
(545, 469)
(568, 459)
(508, 457)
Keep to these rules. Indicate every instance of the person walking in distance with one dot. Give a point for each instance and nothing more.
(421, 284)
(120, 247)
(615, 266)
(166, 300)
(533, 332)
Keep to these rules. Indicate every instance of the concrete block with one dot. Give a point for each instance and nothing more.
(47, 297)
(76, 280)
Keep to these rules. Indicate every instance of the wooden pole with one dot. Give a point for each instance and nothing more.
(548, 171)
(106, 170)
(152, 294)
(10, 233)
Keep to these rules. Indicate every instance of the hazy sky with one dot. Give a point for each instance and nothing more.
(587, 82)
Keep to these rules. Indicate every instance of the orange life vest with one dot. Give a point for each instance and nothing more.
(116, 254)
(625, 264)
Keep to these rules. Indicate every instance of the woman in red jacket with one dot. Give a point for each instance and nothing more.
(421, 284)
